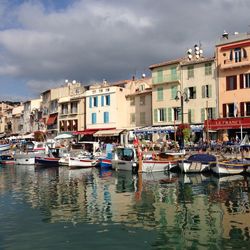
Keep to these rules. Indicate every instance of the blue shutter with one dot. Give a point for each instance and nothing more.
(93, 118)
(90, 102)
(97, 101)
(106, 117)
(102, 100)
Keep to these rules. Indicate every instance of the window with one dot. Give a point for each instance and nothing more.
(231, 82)
(132, 101)
(95, 103)
(192, 93)
(107, 100)
(228, 110)
(190, 71)
(173, 73)
(132, 118)
(160, 94)
(161, 115)
(142, 118)
(177, 114)
(206, 91)
(211, 113)
(93, 118)
(142, 87)
(65, 108)
(238, 54)
(106, 117)
(244, 81)
(90, 102)
(208, 69)
(73, 107)
(142, 100)
(247, 106)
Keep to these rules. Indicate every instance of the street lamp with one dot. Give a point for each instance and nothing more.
(183, 97)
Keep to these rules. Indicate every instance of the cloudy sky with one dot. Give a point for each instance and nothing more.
(44, 42)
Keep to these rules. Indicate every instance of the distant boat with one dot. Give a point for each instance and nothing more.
(47, 161)
(7, 160)
(4, 147)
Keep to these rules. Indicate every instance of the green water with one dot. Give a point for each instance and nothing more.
(57, 208)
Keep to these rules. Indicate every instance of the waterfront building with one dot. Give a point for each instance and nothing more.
(6, 116)
(233, 65)
(184, 91)
(71, 110)
(17, 119)
(29, 119)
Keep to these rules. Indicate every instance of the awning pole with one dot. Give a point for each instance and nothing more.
(241, 133)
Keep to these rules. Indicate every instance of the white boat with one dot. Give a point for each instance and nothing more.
(162, 162)
(4, 147)
(197, 163)
(82, 162)
(125, 158)
(229, 167)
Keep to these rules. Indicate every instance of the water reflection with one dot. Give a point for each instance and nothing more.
(194, 211)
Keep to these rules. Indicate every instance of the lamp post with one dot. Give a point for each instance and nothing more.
(183, 97)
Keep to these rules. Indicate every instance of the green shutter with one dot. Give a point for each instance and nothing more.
(173, 92)
(192, 115)
(202, 114)
(203, 91)
(155, 115)
(189, 115)
(214, 116)
(170, 118)
(159, 94)
(210, 91)
(194, 93)
(160, 76)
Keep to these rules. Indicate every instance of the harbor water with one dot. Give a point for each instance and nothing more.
(57, 208)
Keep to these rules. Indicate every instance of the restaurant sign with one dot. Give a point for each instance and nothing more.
(227, 123)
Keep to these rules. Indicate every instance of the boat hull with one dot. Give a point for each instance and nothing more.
(46, 161)
(228, 168)
(194, 167)
(105, 163)
(124, 165)
(81, 163)
(158, 165)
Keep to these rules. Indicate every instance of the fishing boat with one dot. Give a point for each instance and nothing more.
(162, 162)
(82, 161)
(106, 161)
(125, 158)
(229, 167)
(7, 159)
(197, 163)
(47, 161)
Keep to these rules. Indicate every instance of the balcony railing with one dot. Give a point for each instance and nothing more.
(227, 64)
(166, 79)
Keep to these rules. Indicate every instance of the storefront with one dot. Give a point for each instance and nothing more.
(229, 128)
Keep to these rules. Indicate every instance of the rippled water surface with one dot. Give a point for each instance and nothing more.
(57, 208)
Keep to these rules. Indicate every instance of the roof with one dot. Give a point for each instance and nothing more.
(170, 62)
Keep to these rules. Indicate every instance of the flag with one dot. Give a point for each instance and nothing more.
(235, 109)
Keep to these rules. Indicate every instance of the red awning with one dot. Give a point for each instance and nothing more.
(89, 131)
(227, 123)
(51, 120)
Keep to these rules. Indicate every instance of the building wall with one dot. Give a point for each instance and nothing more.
(227, 66)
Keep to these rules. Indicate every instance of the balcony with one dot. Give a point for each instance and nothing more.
(171, 78)
(228, 64)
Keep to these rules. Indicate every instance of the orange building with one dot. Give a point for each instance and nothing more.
(233, 65)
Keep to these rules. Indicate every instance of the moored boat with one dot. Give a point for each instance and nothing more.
(47, 161)
(197, 163)
(7, 160)
(82, 162)
(4, 147)
(229, 167)
(162, 162)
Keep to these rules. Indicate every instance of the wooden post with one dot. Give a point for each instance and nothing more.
(139, 152)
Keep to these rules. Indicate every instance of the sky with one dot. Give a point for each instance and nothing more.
(45, 42)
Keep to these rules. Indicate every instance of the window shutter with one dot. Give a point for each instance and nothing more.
(170, 118)
(231, 55)
(241, 81)
(242, 109)
(202, 114)
(108, 100)
(224, 110)
(192, 115)
(203, 91)
(173, 92)
(209, 91)
(90, 102)
(244, 53)
(186, 90)
(164, 114)
(180, 115)
(194, 92)
(97, 101)
(214, 116)
(227, 83)
(102, 100)
(155, 115)
(189, 115)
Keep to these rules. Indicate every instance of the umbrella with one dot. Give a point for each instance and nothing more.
(63, 136)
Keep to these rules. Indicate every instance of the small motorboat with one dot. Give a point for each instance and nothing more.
(7, 160)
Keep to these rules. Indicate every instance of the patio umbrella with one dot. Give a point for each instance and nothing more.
(64, 136)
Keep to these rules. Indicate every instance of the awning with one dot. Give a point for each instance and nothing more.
(89, 131)
(51, 120)
(106, 133)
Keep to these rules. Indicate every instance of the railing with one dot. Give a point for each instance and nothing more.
(166, 78)
(227, 63)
